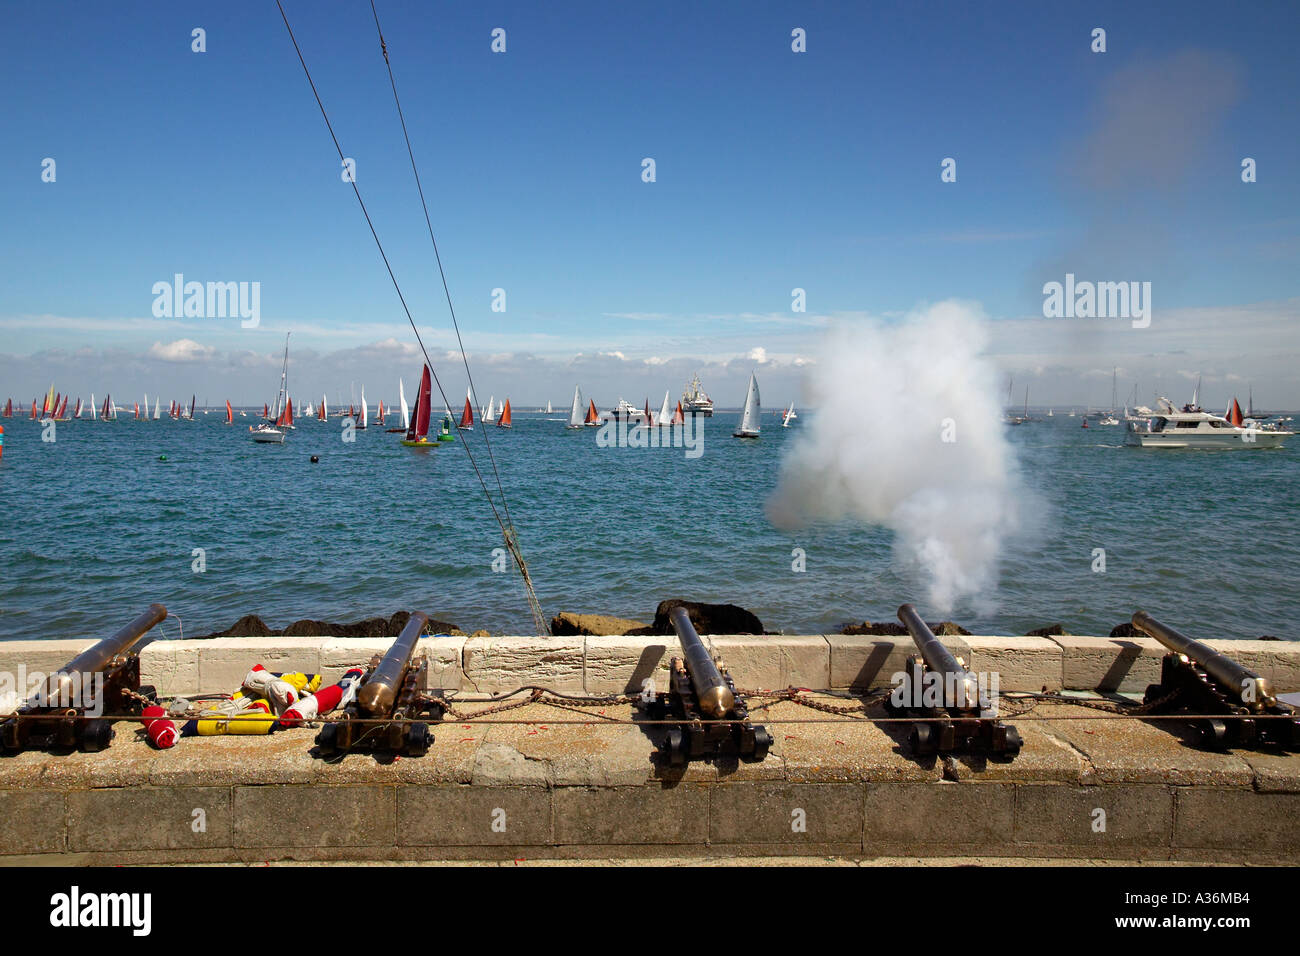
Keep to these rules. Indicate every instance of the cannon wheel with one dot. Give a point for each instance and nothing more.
(1013, 742)
(327, 737)
(1214, 734)
(96, 735)
(418, 739)
(922, 739)
(675, 747)
(762, 741)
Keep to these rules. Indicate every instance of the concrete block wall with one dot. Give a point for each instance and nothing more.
(619, 664)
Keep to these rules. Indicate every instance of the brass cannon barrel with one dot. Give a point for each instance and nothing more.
(938, 658)
(64, 683)
(378, 695)
(1223, 669)
(711, 690)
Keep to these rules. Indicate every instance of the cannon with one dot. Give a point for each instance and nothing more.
(68, 711)
(712, 717)
(936, 685)
(1233, 705)
(383, 715)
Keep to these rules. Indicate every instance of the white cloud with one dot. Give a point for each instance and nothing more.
(182, 350)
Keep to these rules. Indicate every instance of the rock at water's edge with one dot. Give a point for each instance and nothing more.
(565, 624)
(707, 619)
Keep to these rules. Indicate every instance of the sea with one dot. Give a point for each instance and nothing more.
(111, 516)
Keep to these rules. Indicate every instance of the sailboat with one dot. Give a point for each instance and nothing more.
(379, 416)
(323, 413)
(265, 432)
(789, 414)
(9, 407)
(504, 420)
(575, 413)
(1110, 418)
(749, 418)
(679, 417)
(401, 398)
(467, 416)
(490, 414)
(417, 433)
(157, 407)
(230, 413)
(665, 417)
(593, 417)
(92, 407)
(364, 418)
(548, 406)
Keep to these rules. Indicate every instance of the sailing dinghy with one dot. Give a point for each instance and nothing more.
(417, 435)
(504, 420)
(575, 413)
(467, 416)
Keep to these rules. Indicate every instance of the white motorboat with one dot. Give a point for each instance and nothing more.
(1193, 427)
(266, 432)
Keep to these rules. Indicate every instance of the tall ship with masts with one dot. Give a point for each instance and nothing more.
(695, 401)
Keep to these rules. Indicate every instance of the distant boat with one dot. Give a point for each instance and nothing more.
(548, 407)
(379, 416)
(322, 412)
(490, 414)
(137, 411)
(92, 407)
(749, 418)
(363, 420)
(401, 398)
(1050, 413)
(467, 416)
(1195, 428)
(230, 413)
(789, 414)
(504, 420)
(9, 408)
(665, 416)
(417, 433)
(265, 432)
(697, 402)
(679, 418)
(593, 417)
(575, 413)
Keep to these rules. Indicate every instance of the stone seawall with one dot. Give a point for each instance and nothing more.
(550, 782)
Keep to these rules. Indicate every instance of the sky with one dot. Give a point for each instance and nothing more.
(775, 170)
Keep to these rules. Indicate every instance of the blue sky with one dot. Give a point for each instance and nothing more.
(775, 170)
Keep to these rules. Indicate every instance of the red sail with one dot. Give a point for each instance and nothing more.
(379, 420)
(504, 420)
(137, 411)
(230, 413)
(1236, 418)
(592, 416)
(34, 409)
(266, 410)
(63, 409)
(76, 414)
(648, 420)
(9, 408)
(467, 416)
(418, 429)
(192, 398)
(320, 412)
(45, 406)
(286, 415)
(678, 418)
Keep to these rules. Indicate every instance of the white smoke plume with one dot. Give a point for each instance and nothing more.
(908, 435)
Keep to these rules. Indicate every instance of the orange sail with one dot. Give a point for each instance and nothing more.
(286, 416)
(1236, 417)
(230, 413)
(504, 420)
(678, 418)
(380, 420)
(592, 417)
(467, 416)
(137, 411)
(320, 412)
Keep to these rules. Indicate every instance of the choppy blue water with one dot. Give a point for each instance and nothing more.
(96, 527)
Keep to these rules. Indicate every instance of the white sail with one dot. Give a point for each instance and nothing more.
(146, 406)
(575, 413)
(789, 414)
(749, 418)
(157, 407)
(401, 397)
(364, 420)
(490, 415)
(92, 406)
(665, 416)
(548, 406)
